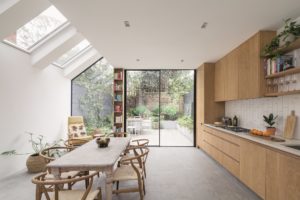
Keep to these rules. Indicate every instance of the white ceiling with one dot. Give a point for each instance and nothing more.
(163, 32)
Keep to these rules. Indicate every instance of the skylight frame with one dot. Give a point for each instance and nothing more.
(75, 57)
(43, 39)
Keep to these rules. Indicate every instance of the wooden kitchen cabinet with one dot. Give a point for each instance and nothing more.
(231, 77)
(282, 176)
(208, 111)
(240, 74)
(220, 74)
(223, 148)
(253, 166)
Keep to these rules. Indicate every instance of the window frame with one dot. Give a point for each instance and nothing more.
(73, 58)
(43, 40)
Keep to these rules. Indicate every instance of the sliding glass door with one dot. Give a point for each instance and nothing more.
(160, 106)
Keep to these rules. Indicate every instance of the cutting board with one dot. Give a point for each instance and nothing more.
(290, 124)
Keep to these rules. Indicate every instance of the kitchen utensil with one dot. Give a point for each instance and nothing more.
(235, 121)
(290, 124)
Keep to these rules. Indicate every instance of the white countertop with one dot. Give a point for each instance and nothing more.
(260, 139)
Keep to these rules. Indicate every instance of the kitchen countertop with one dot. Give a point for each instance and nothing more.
(260, 139)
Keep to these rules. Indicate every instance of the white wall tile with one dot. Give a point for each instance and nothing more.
(250, 112)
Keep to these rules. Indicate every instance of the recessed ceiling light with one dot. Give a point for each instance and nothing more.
(182, 60)
(137, 60)
(204, 25)
(126, 23)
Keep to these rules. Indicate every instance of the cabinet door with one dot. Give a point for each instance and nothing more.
(282, 176)
(220, 80)
(231, 78)
(200, 105)
(253, 166)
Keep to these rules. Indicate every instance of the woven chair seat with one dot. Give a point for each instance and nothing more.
(125, 173)
(76, 195)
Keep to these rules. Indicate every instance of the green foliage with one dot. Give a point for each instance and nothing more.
(290, 28)
(155, 119)
(139, 111)
(270, 120)
(9, 153)
(170, 112)
(97, 82)
(37, 143)
(186, 121)
(155, 110)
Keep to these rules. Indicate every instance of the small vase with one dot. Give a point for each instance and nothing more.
(36, 163)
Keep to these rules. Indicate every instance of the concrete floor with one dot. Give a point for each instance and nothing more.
(168, 137)
(177, 173)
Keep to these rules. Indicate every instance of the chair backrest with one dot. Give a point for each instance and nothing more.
(140, 142)
(140, 154)
(42, 184)
(50, 154)
(76, 127)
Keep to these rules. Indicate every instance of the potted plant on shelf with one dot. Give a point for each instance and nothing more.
(290, 33)
(270, 121)
(35, 163)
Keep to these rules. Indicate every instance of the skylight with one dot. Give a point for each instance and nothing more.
(37, 29)
(72, 53)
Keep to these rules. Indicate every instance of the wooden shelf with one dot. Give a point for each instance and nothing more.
(283, 50)
(282, 93)
(284, 73)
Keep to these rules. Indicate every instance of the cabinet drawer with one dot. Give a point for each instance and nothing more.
(224, 145)
(227, 162)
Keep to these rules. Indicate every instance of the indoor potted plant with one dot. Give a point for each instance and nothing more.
(35, 163)
(270, 121)
(290, 33)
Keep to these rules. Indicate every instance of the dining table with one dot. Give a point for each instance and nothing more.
(89, 157)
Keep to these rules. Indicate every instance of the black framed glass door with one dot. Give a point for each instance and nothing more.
(160, 106)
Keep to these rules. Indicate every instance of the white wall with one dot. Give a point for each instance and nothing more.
(250, 112)
(30, 100)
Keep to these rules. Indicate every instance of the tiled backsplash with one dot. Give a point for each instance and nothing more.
(250, 112)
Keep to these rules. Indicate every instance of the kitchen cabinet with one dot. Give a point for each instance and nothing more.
(231, 76)
(207, 110)
(223, 148)
(220, 80)
(253, 166)
(282, 176)
(240, 74)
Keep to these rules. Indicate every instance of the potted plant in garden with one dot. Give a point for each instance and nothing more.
(35, 163)
(270, 121)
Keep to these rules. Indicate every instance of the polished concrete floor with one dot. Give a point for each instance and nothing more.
(174, 173)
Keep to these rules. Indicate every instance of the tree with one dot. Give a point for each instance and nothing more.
(96, 103)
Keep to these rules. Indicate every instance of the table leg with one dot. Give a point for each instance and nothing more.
(109, 185)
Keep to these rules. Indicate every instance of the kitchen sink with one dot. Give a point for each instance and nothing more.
(294, 146)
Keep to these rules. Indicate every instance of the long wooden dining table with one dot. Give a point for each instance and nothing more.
(89, 157)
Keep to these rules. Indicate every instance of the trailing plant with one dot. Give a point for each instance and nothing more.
(37, 144)
(290, 28)
(270, 120)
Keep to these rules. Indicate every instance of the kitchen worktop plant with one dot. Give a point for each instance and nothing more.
(270, 120)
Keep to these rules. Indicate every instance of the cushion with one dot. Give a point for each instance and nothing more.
(77, 131)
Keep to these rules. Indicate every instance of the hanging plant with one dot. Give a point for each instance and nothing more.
(290, 33)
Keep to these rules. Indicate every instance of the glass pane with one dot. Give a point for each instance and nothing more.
(72, 53)
(35, 30)
(142, 105)
(177, 108)
(92, 97)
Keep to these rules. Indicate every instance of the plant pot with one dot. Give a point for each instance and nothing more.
(35, 163)
(270, 131)
(155, 125)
